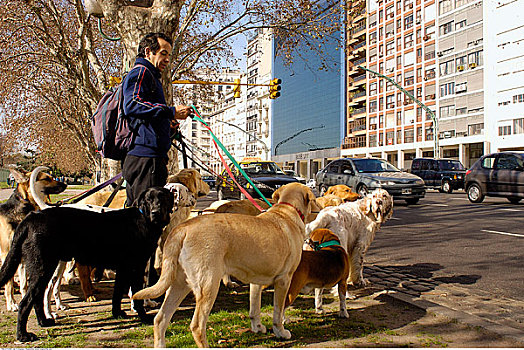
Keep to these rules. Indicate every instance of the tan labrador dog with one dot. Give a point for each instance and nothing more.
(260, 250)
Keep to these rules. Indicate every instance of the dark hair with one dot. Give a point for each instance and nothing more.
(151, 41)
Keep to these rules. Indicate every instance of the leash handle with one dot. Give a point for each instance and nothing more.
(87, 193)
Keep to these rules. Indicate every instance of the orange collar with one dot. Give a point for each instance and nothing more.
(298, 210)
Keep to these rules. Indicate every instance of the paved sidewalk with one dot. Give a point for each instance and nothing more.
(445, 297)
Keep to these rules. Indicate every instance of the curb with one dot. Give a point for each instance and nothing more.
(463, 317)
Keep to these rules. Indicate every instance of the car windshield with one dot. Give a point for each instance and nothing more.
(267, 168)
(373, 166)
(450, 165)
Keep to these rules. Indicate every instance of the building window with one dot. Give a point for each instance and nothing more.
(390, 47)
(518, 98)
(408, 136)
(447, 111)
(390, 101)
(475, 129)
(445, 6)
(461, 63)
(446, 28)
(518, 126)
(372, 106)
(475, 59)
(408, 41)
(408, 22)
(447, 67)
(504, 130)
(372, 89)
(399, 25)
(462, 87)
(390, 11)
(409, 78)
(460, 24)
(447, 89)
(390, 137)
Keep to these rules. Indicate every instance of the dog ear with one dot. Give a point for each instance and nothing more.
(19, 176)
(276, 194)
(365, 205)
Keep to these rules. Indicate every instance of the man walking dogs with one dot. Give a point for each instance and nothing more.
(145, 104)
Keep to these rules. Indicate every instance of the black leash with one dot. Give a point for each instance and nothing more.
(115, 191)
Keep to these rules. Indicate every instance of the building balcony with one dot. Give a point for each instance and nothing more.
(357, 111)
(354, 71)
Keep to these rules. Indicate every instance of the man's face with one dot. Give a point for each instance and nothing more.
(160, 59)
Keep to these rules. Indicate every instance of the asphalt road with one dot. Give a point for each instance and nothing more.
(447, 238)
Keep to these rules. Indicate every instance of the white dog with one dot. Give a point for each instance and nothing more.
(355, 224)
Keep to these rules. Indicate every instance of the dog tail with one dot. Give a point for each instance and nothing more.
(172, 249)
(14, 256)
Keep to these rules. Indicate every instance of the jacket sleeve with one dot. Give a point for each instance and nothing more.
(138, 91)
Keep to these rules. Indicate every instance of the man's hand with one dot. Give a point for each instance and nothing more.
(182, 112)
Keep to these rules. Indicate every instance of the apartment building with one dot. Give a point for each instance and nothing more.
(504, 35)
(426, 47)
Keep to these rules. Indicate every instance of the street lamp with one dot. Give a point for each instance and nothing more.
(266, 149)
(436, 150)
(295, 135)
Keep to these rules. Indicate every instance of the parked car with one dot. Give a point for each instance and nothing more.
(496, 175)
(210, 180)
(266, 175)
(363, 175)
(293, 173)
(445, 175)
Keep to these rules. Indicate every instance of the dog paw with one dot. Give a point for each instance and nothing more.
(320, 311)
(62, 306)
(147, 319)
(12, 307)
(150, 303)
(119, 314)
(47, 322)
(258, 328)
(282, 333)
(343, 314)
(26, 337)
(91, 299)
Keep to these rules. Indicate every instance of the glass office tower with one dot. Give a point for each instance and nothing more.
(307, 119)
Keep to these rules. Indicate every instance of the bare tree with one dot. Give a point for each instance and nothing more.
(55, 66)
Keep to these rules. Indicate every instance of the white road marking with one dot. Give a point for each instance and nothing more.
(503, 233)
(509, 209)
(440, 205)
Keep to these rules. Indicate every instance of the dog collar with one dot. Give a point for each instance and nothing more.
(327, 244)
(297, 210)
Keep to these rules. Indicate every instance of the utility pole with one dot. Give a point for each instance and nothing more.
(436, 149)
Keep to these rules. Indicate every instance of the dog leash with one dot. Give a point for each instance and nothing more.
(78, 197)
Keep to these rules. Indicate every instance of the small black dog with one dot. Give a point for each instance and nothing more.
(122, 240)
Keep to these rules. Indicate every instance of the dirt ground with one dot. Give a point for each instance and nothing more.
(376, 320)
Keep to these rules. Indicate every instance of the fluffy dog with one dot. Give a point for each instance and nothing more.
(355, 224)
(324, 267)
(44, 238)
(261, 250)
(343, 192)
(13, 211)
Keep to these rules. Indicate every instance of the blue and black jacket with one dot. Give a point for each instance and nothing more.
(144, 101)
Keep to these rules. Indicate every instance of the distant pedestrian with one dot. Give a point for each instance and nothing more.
(11, 181)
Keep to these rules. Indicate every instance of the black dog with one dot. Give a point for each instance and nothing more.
(122, 240)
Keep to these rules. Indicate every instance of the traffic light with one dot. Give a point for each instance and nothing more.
(274, 88)
(236, 88)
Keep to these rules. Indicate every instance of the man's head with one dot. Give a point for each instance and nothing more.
(156, 48)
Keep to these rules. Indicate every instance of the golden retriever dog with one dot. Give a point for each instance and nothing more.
(355, 224)
(343, 192)
(260, 250)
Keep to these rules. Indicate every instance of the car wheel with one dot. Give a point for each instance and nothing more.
(412, 201)
(446, 187)
(362, 190)
(242, 196)
(475, 194)
(322, 190)
(514, 200)
(220, 195)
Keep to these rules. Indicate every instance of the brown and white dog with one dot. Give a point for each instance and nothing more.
(324, 267)
(355, 224)
(260, 250)
(13, 211)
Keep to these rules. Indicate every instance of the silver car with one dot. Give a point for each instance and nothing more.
(363, 175)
